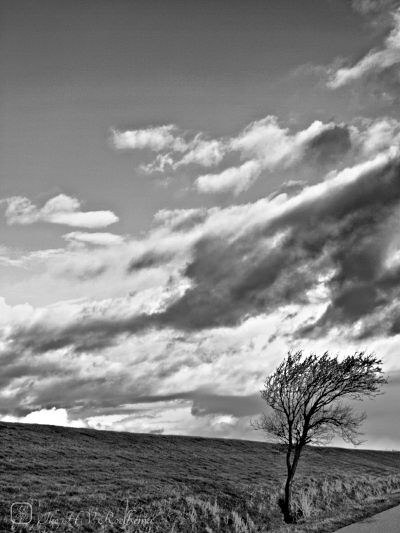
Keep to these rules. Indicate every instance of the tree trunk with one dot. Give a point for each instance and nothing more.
(287, 502)
(288, 515)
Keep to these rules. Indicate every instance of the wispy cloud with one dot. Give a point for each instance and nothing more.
(376, 61)
(96, 239)
(61, 209)
(374, 7)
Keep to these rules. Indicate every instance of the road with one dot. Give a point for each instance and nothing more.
(385, 522)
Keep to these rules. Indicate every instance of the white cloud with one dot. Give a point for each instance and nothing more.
(236, 179)
(167, 138)
(273, 145)
(154, 138)
(263, 139)
(374, 61)
(266, 146)
(206, 153)
(52, 417)
(161, 163)
(61, 209)
(97, 239)
(262, 145)
(377, 135)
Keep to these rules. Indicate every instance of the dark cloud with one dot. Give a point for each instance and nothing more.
(83, 336)
(68, 391)
(343, 230)
(91, 396)
(362, 285)
(158, 431)
(44, 385)
(329, 146)
(149, 259)
(290, 187)
(87, 273)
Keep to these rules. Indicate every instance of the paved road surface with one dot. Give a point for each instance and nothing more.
(385, 522)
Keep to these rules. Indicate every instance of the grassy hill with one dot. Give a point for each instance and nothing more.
(79, 477)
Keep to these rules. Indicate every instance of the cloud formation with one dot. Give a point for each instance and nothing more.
(262, 146)
(329, 234)
(267, 146)
(61, 209)
(377, 61)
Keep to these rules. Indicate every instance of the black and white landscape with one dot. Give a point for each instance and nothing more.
(189, 192)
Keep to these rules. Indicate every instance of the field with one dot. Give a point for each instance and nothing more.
(87, 480)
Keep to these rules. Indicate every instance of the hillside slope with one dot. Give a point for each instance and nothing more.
(77, 469)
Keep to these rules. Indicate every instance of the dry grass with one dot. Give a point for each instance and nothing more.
(76, 478)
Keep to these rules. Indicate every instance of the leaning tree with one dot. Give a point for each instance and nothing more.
(305, 396)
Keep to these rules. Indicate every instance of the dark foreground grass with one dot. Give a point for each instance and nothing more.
(103, 481)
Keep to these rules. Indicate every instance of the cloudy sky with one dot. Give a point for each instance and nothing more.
(187, 191)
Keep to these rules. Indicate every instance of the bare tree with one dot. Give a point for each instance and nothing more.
(305, 396)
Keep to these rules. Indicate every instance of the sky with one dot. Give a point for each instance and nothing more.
(188, 190)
